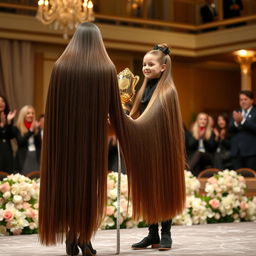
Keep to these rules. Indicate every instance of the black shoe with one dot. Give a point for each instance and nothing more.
(147, 241)
(87, 249)
(72, 248)
(165, 243)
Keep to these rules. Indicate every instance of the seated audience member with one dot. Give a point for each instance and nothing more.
(6, 123)
(222, 157)
(202, 145)
(28, 140)
(242, 128)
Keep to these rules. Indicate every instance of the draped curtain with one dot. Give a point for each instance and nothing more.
(17, 72)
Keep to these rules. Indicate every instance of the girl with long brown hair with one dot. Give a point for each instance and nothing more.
(74, 171)
(157, 72)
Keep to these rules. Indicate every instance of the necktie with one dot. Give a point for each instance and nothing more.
(245, 113)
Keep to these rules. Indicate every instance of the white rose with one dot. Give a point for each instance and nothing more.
(236, 189)
(7, 195)
(17, 199)
(9, 205)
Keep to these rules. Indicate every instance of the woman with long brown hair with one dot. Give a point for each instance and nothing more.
(74, 171)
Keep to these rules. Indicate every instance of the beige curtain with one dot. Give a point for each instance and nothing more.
(17, 72)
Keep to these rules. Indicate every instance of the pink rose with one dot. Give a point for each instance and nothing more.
(212, 180)
(23, 193)
(243, 205)
(30, 213)
(5, 187)
(8, 215)
(35, 186)
(241, 178)
(214, 203)
(111, 184)
(110, 210)
(123, 203)
(26, 205)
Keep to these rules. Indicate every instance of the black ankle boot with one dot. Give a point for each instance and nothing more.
(166, 240)
(72, 248)
(152, 239)
(87, 249)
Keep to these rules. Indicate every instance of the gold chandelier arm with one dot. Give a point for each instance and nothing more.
(64, 14)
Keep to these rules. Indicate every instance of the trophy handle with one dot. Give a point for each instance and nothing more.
(135, 81)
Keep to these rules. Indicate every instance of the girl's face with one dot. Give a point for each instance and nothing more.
(151, 66)
(221, 122)
(2, 104)
(29, 117)
(202, 120)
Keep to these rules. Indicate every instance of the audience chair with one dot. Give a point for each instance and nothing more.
(207, 173)
(3, 175)
(246, 172)
(33, 175)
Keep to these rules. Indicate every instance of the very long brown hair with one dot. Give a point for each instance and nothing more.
(83, 92)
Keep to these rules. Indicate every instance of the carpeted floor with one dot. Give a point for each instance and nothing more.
(231, 239)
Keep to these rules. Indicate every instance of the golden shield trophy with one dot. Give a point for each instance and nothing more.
(127, 82)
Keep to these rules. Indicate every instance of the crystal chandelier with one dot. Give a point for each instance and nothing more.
(64, 14)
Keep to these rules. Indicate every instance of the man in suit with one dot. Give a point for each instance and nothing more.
(208, 13)
(243, 132)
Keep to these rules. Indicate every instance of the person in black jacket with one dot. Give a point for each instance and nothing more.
(222, 157)
(6, 123)
(243, 132)
(208, 11)
(28, 140)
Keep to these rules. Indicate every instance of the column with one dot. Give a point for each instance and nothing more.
(245, 58)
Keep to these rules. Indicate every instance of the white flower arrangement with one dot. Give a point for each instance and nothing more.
(18, 205)
(225, 197)
(224, 201)
(195, 211)
(192, 184)
(111, 208)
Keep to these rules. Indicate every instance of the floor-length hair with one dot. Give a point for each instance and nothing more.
(74, 157)
(157, 170)
(83, 94)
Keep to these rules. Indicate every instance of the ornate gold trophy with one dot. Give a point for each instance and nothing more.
(126, 83)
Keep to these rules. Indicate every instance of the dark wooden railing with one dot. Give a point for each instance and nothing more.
(147, 23)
